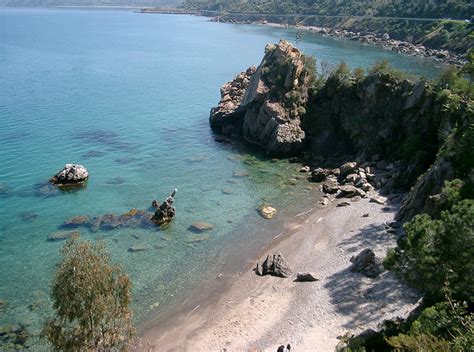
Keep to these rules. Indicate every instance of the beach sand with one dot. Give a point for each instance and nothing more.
(262, 313)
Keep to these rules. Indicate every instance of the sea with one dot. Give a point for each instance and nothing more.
(128, 96)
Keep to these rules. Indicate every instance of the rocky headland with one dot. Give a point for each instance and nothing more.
(355, 134)
(264, 104)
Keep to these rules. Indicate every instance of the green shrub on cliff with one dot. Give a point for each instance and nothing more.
(446, 326)
(91, 299)
(434, 250)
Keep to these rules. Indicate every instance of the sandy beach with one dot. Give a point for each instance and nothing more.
(262, 313)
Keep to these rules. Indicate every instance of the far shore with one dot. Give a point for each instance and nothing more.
(251, 312)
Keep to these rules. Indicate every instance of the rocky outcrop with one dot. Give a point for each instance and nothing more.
(427, 186)
(380, 117)
(71, 175)
(165, 212)
(265, 104)
(227, 117)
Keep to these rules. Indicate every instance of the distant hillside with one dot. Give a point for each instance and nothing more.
(456, 9)
(138, 3)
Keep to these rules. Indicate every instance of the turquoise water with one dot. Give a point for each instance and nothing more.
(128, 96)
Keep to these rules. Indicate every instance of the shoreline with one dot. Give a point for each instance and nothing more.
(253, 312)
(381, 40)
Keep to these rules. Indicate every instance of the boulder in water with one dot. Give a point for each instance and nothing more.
(71, 175)
(166, 211)
(267, 211)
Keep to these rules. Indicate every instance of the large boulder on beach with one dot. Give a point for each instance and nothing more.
(275, 265)
(306, 277)
(265, 105)
(70, 175)
(366, 263)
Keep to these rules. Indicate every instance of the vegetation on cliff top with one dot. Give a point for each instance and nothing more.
(459, 9)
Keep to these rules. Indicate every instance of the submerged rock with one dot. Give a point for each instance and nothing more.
(138, 248)
(62, 235)
(275, 265)
(28, 217)
(13, 335)
(4, 190)
(201, 227)
(71, 175)
(240, 174)
(77, 221)
(3, 305)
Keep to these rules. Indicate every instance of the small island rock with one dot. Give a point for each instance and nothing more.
(70, 175)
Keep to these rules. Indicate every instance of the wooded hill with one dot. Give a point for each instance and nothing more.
(455, 9)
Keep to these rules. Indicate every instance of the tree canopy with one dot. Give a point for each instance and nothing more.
(91, 298)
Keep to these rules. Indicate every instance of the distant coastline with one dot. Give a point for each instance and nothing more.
(383, 40)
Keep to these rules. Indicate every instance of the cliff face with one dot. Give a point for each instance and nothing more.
(264, 104)
(378, 115)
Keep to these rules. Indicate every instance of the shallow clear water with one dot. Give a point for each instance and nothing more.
(128, 95)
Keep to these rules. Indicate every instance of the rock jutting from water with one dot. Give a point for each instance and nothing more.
(264, 105)
(70, 176)
(166, 211)
(267, 211)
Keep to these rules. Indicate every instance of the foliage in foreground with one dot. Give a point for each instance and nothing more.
(91, 298)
